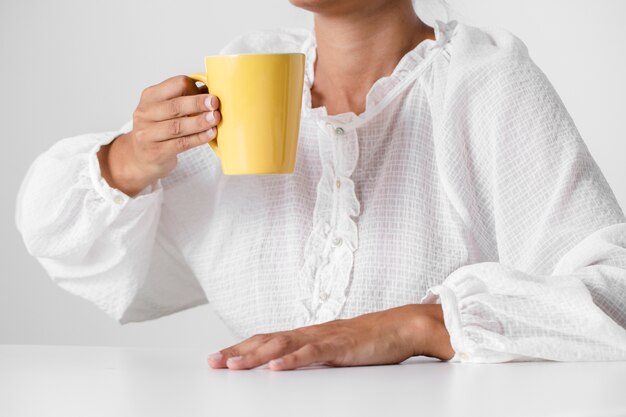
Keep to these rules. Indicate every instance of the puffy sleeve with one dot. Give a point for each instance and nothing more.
(98, 243)
(548, 238)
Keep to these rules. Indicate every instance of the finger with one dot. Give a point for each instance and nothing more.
(307, 355)
(275, 347)
(181, 106)
(202, 88)
(218, 359)
(177, 86)
(184, 143)
(182, 126)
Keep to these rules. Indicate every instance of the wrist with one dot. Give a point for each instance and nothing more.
(432, 337)
(118, 169)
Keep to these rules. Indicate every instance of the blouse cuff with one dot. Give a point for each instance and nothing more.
(469, 308)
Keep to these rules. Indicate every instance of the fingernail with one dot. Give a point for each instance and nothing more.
(210, 116)
(207, 102)
(211, 132)
(215, 356)
(213, 101)
(233, 360)
(276, 362)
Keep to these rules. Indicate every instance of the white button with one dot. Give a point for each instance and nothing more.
(337, 241)
(118, 199)
(463, 356)
(324, 296)
(338, 184)
(339, 131)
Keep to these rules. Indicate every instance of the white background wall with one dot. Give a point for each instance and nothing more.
(75, 66)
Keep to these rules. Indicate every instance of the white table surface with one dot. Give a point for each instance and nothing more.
(70, 381)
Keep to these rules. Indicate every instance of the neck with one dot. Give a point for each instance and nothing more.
(356, 49)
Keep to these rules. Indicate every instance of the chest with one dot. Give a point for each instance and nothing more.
(363, 217)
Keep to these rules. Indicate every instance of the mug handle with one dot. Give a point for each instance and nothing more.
(212, 142)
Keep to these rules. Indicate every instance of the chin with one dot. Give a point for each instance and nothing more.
(322, 5)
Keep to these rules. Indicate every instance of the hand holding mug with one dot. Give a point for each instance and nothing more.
(172, 117)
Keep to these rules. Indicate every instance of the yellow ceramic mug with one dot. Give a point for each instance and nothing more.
(260, 102)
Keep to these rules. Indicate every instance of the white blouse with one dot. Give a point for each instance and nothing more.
(464, 182)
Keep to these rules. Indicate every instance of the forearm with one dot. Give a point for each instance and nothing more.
(495, 313)
(92, 240)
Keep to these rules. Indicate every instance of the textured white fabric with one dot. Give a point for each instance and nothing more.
(465, 182)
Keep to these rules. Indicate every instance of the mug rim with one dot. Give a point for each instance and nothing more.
(254, 54)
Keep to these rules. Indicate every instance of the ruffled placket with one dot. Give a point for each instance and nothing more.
(329, 250)
(325, 276)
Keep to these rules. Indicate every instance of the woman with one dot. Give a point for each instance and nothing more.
(443, 204)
